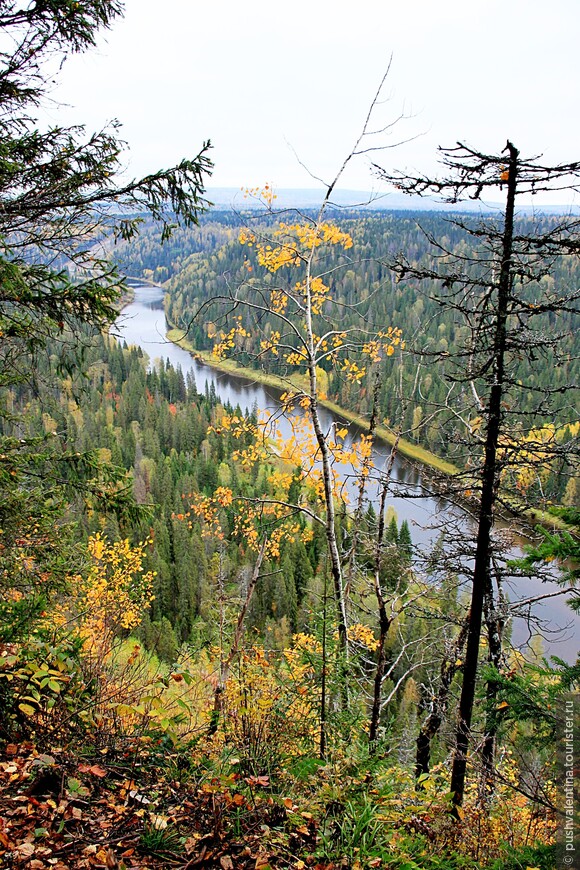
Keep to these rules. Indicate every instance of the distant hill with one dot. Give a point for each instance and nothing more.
(308, 198)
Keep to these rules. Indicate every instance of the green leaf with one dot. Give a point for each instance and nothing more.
(27, 709)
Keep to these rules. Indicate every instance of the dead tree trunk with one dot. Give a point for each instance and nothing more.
(430, 727)
(385, 620)
(489, 484)
(495, 623)
(235, 645)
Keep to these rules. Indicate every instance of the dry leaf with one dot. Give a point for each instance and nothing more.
(26, 850)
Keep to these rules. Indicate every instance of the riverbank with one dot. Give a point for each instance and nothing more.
(412, 452)
(409, 450)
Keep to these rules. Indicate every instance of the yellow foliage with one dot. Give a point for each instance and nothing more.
(114, 593)
(264, 194)
(352, 371)
(293, 243)
(270, 707)
(533, 453)
(227, 340)
(249, 516)
(363, 635)
(484, 829)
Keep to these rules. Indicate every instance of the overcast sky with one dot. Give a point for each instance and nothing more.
(268, 81)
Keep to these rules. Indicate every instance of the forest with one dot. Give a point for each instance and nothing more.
(209, 656)
(199, 265)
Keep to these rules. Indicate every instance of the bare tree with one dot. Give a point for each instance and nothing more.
(495, 290)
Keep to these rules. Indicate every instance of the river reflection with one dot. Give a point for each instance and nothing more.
(142, 323)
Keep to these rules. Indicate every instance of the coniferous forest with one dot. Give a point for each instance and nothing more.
(213, 652)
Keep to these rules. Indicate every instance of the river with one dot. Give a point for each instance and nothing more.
(142, 322)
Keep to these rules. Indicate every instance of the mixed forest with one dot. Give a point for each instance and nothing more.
(209, 656)
(203, 264)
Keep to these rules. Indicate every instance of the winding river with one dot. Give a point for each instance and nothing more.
(142, 323)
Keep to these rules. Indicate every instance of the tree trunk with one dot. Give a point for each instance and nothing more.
(430, 727)
(326, 462)
(495, 624)
(323, 679)
(384, 619)
(235, 645)
(489, 482)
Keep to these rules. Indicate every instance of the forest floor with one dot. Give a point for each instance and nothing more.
(144, 806)
(58, 811)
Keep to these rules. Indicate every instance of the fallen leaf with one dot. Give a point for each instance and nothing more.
(159, 823)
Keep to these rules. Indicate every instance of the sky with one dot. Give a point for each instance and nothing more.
(282, 89)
